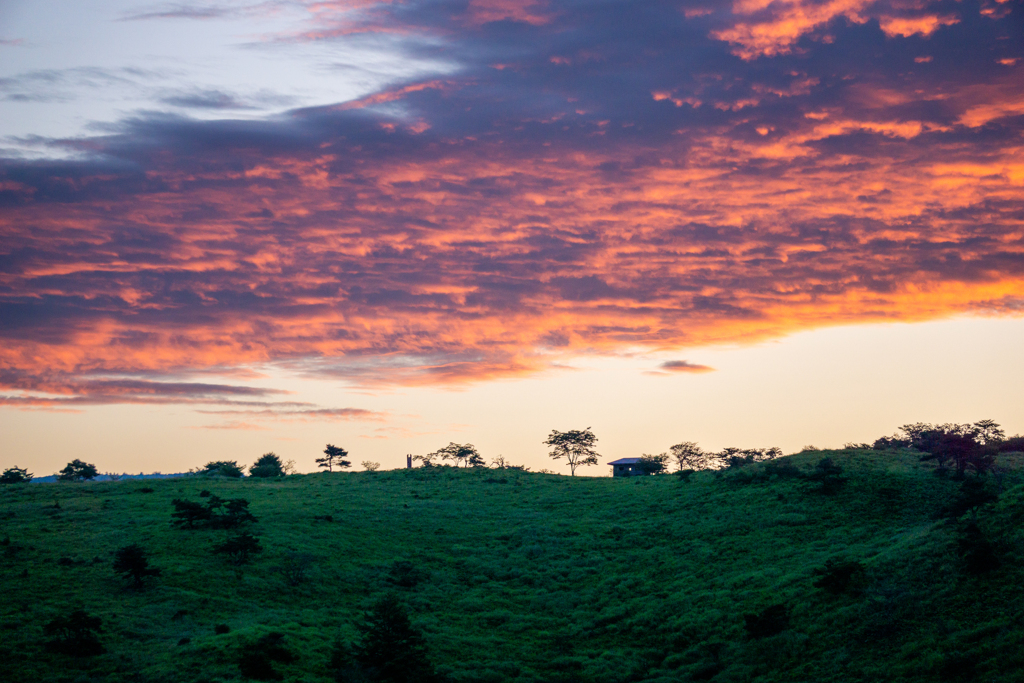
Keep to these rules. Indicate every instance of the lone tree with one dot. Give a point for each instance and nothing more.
(391, 649)
(15, 475)
(334, 456)
(576, 446)
(76, 470)
(269, 465)
(460, 453)
(131, 561)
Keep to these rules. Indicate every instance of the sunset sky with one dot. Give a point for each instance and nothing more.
(235, 227)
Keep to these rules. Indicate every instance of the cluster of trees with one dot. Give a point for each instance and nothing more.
(689, 457)
(962, 446)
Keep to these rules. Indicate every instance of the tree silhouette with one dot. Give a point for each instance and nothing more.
(391, 650)
(268, 465)
(75, 635)
(224, 468)
(76, 470)
(576, 446)
(239, 547)
(689, 456)
(188, 513)
(334, 456)
(460, 453)
(15, 475)
(132, 562)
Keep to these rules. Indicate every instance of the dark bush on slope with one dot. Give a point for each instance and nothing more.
(257, 660)
(769, 622)
(390, 649)
(74, 634)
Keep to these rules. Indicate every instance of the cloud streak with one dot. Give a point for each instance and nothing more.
(593, 178)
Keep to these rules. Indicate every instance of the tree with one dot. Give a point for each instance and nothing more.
(689, 456)
(75, 635)
(268, 465)
(989, 432)
(76, 470)
(239, 547)
(223, 468)
(829, 475)
(370, 466)
(391, 649)
(576, 446)
(653, 464)
(334, 456)
(188, 513)
(131, 561)
(15, 475)
(464, 453)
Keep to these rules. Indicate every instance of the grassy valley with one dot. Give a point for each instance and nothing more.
(756, 573)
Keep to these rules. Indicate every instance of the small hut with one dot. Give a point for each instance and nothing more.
(626, 467)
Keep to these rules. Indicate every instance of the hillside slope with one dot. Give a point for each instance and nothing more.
(518, 576)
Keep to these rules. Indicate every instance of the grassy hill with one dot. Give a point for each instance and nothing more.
(517, 576)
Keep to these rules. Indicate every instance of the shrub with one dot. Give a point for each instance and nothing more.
(267, 466)
(295, 568)
(75, 635)
(403, 574)
(221, 629)
(973, 494)
(391, 650)
(769, 622)
(829, 475)
(131, 561)
(15, 475)
(257, 660)
(1012, 445)
(838, 577)
(977, 553)
(239, 547)
(370, 466)
(76, 470)
(223, 468)
(189, 514)
(217, 513)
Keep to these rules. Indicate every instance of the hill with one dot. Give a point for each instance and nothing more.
(516, 576)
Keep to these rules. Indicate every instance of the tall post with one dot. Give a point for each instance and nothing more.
(408, 462)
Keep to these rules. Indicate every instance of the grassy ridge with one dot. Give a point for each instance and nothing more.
(530, 577)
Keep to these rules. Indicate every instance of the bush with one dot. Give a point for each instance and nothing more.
(268, 465)
(216, 514)
(223, 468)
(75, 635)
(15, 475)
(829, 475)
(391, 650)
(838, 577)
(977, 553)
(771, 621)
(239, 547)
(76, 470)
(131, 561)
(257, 660)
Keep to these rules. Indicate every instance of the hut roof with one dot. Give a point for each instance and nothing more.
(625, 461)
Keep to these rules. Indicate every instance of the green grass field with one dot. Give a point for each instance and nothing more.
(516, 576)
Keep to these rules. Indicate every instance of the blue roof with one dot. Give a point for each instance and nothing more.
(625, 461)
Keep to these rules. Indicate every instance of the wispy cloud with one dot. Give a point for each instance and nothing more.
(684, 366)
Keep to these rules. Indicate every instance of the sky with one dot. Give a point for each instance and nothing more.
(229, 228)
